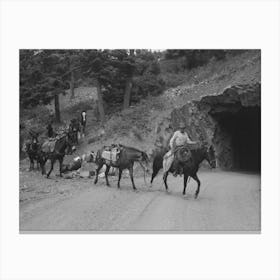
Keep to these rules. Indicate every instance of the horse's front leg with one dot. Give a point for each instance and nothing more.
(31, 166)
(155, 172)
(42, 162)
(52, 164)
(165, 180)
(106, 175)
(120, 176)
(97, 172)
(60, 166)
(131, 177)
(185, 183)
(38, 164)
(198, 185)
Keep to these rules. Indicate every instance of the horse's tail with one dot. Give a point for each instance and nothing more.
(145, 157)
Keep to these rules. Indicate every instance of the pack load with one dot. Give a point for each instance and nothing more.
(111, 153)
(48, 146)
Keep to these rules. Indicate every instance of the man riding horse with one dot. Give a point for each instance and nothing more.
(179, 139)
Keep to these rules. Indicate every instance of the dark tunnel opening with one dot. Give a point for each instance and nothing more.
(238, 138)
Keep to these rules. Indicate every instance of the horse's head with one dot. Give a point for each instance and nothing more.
(210, 156)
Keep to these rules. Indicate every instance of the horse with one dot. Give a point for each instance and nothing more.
(32, 148)
(62, 146)
(127, 157)
(190, 166)
(74, 129)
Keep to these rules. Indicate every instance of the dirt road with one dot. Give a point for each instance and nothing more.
(228, 201)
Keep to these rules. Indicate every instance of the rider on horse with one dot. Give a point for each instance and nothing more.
(179, 139)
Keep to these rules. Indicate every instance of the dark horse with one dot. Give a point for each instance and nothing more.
(32, 148)
(74, 129)
(127, 157)
(62, 146)
(190, 167)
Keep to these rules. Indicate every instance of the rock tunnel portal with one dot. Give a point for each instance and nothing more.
(238, 137)
(237, 130)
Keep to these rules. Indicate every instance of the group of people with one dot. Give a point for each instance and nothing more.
(74, 126)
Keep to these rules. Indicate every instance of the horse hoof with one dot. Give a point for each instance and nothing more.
(108, 186)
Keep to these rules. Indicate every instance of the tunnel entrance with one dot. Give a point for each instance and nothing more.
(238, 138)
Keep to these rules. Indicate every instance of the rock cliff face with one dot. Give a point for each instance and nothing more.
(230, 121)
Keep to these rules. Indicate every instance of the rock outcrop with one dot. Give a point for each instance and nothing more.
(221, 120)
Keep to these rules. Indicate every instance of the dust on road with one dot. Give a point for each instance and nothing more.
(228, 201)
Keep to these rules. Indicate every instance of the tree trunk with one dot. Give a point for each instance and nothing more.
(128, 86)
(100, 102)
(56, 107)
(127, 93)
(72, 85)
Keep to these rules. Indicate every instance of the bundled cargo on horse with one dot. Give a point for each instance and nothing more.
(111, 153)
(121, 157)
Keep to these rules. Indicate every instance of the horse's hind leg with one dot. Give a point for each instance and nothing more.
(120, 176)
(97, 172)
(185, 183)
(198, 185)
(52, 164)
(131, 177)
(106, 175)
(165, 180)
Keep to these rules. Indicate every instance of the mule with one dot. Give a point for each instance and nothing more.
(32, 148)
(127, 157)
(62, 146)
(190, 167)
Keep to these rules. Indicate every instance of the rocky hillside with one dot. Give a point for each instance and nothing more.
(150, 123)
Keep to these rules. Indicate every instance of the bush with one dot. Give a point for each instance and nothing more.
(147, 85)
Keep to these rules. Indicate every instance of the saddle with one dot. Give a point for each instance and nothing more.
(184, 153)
(111, 154)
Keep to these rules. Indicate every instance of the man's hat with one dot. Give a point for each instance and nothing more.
(182, 125)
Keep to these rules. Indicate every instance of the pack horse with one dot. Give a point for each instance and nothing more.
(121, 157)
